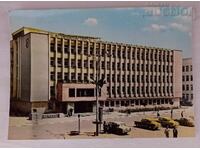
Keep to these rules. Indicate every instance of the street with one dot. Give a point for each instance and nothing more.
(21, 128)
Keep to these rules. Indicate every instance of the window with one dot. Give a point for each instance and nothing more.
(85, 76)
(52, 47)
(79, 63)
(113, 53)
(73, 63)
(119, 54)
(183, 87)
(187, 68)
(52, 91)
(91, 64)
(85, 63)
(66, 49)
(124, 53)
(59, 74)
(52, 62)
(183, 68)
(183, 78)
(190, 67)
(113, 65)
(66, 76)
(52, 76)
(66, 63)
(59, 48)
(123, 66)
(187, 78)
(59, 61)
(73, 77)
(85, 93)
(191, 78)
(71, 92)
(187, 87)
(73, 49)
(79, 77)
(103, 65)
(108, 77)
(191, 86)
(108, 65)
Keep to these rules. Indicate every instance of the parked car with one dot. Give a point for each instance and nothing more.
(185, 122)
(167, 122)
(119, 128)
(148, 123)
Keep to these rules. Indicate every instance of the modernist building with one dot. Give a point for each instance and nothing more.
(47, 66)
(187, 80)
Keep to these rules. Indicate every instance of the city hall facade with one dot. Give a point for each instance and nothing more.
(48, 67)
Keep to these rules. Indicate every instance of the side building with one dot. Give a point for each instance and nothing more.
(187, 81)
(55, 70)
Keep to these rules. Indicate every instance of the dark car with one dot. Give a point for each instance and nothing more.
(119, 128)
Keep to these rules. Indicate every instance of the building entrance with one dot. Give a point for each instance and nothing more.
(82, 107)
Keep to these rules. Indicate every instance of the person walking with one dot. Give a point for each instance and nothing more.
(175, 132)
(167, 132)
(158, 114)
(181, 114)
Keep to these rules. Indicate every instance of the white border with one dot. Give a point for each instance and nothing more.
(5, 7)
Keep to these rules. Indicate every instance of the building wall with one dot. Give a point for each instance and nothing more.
(39, 67)
(187, 80)
(25, 68)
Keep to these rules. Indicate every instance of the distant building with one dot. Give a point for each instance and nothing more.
(53, 67)
(187, 80)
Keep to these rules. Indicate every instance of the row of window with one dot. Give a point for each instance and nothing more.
(188, 78)
(119, 53)
(187, 96)
(187, 87)
(187, 68)
(134, 102)
(123, 66)
(118, 78)
(141, 90)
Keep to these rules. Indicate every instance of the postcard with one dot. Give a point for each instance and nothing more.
(101, 73)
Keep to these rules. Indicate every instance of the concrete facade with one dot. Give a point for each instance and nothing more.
(134, 74)
(187, 80)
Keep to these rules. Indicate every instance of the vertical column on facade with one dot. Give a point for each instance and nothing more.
(88, 61)
(153, 74)
(96, 62)
(161, 72)
(56, 64)
(100, 57)
(157, 72)
(131, 71)
(105, 60)
(140, 73)
(165, 83)
(136, 72)
(69, 59)
(115, 71)
(19, 67)
(110, 71)
(144, 73)
(82, 60)
(49, 66)
(76, 60)
(120, 83)
(63, 58)
(172, 72)
(149, 62)
(126, 84)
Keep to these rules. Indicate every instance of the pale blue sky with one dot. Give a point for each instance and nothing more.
(150, 26)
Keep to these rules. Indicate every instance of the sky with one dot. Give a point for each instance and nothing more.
(166, 27)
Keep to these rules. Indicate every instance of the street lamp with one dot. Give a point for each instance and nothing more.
(99, 84)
